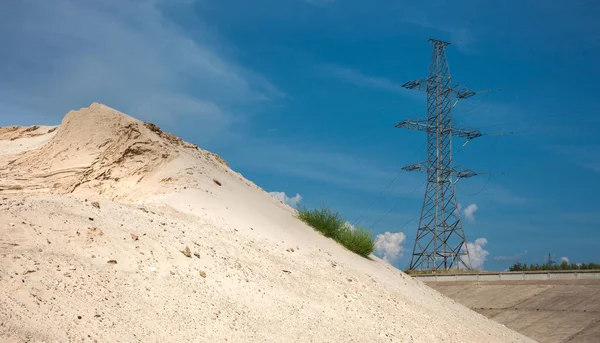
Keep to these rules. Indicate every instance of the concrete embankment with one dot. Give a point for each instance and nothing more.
(546, 306)
(514, 276)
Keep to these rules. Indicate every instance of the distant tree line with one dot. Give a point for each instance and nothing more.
(518, 267)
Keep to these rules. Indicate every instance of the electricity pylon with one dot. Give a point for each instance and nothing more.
(440, 241)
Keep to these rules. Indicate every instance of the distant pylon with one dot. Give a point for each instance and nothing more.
(550, 261)
(440, 241)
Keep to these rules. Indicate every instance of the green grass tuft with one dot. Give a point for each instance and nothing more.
(324, 220)
(332, 225)
(360, 240)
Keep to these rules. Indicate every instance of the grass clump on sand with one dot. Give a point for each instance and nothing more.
(332, 225)
(358, 240)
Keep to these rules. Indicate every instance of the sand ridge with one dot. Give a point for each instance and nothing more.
(113, 230)
(99, 150)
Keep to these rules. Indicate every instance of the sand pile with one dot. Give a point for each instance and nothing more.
(114, 231)
(99, 150)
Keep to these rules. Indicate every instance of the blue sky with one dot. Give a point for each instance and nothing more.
(301, 96)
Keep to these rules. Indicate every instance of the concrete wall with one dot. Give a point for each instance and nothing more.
(546, 306)
(513, 276)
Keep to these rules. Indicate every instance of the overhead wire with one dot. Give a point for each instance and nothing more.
(396, 205)
(516, 171)
(558, 114)
(484, 185)
(355, 221)
(409, 221)
(481, 102)
(536, 82)
(486, 93)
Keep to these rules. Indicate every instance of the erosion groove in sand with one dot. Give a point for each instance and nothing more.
(114, 230)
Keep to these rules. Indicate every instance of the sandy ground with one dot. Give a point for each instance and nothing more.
(114, 231)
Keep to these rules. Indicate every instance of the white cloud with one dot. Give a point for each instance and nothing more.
(564, 259)
(350, 226)
(281, 196)
(458, 209)
(124, 53)
(469, 213)
(389, 245)
(511, 257)
(477, 253)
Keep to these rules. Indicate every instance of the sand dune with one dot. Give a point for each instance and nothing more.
(114, 231)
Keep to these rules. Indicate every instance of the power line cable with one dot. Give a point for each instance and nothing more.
(484, 185)
(377, 198)
(409, 221)
(355, 221)
(536, 82)
(542, 116)
(481, 102)
(502, 173)
(396, 205)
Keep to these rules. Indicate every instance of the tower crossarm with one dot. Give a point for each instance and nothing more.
(464, 131)
(457, 172)
(421, 124)
(420, 166)
(463, 173)
(430, 83)
(417, 124)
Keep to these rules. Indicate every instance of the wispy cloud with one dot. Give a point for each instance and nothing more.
(514, 257)
(586, 156)
(63, 55)
(461, 37)
(331, 167)
(579, 218)
(357, 78)
(502, 195)
(389, 245)
(281, 196)
(564, 259)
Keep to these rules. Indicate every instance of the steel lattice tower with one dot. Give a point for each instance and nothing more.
(440, 241)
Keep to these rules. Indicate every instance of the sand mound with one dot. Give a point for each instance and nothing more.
(114, 231)
(99, 150)
(18, 132)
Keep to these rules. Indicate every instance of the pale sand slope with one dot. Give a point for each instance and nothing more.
(241, 283)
